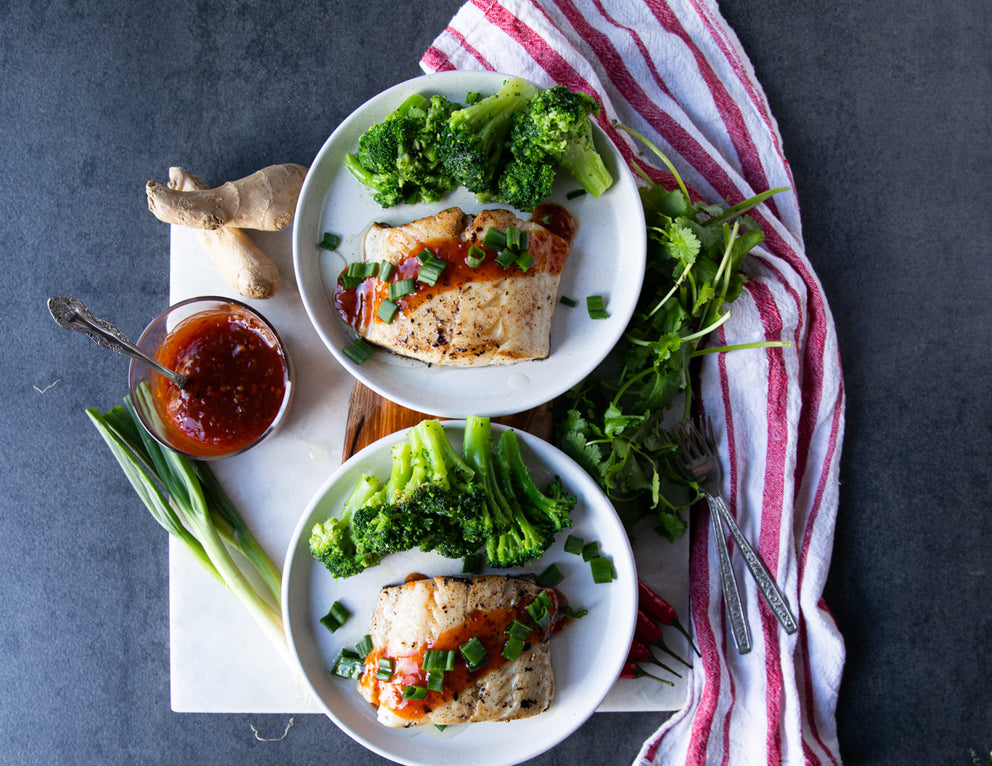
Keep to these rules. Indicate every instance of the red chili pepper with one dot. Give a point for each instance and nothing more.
(651, 633)
(641, 652)
(633, 670)
(661, 610)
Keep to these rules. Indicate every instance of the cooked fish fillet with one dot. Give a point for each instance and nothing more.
(471, 317)
(443, 613)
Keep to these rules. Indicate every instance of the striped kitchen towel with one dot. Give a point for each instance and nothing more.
(675, 72)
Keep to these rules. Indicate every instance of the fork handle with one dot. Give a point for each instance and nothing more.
(766, 583)
(731, 591)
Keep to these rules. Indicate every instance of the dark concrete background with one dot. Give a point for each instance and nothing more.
(885, 112)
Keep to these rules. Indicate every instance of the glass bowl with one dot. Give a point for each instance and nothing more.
(240, 378)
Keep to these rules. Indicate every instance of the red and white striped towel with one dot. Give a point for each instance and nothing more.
(676, 72)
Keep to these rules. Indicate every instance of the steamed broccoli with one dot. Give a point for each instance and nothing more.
(525, 184)
(398, 157)
(439, 500)
(556, 127)
(471, 146)
(333, 542)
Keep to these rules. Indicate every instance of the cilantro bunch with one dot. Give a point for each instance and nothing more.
(616, 423)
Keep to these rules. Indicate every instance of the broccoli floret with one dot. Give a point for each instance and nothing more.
(550, 510)
(471, 146)
(334, 542)
(525, 184)
(556, 125)
(398, 157)
(515, 540)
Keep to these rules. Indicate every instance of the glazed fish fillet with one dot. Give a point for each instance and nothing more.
(486, 315)
(443, 613)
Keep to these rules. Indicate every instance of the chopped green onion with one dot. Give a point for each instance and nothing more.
(364, 647)
(330, 241)
(518, 630)
(348, 281)
(524, 261)
(385, 671)
(414, 692)
(387, 311)
(575, 613)
(430, 269)
(435, 681)
(348, 665)
(494, 239)
(574, 545)
(513, 649)
(513, 238)
(602, 570)
(359, 351)
(474, 653)
(386, 271)
(596, 307)
(590, 551)
(540, 609)
(362, 270)
(336, 617)
(506, 258)
(438, 660)
(476, 256)
(424, 255)
(401, 287)
(440, 726)
(472, 564)
(575, 193)
(550, 577)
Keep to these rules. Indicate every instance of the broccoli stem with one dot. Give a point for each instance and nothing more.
(585, 165)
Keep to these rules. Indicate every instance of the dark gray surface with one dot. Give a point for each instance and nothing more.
(885, 112)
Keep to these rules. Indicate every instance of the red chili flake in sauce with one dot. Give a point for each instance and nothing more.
(237, 382)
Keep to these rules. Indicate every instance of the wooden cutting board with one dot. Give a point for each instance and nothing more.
(371, 416)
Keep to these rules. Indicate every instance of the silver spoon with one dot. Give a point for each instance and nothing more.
(72, 314)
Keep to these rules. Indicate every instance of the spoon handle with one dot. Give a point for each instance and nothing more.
(72, 314)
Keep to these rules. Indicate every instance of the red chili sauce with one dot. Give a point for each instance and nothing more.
(237, 382)
(489, 627)
(359, 305)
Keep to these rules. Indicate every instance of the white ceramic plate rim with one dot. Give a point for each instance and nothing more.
(587, 656)
(607, 258)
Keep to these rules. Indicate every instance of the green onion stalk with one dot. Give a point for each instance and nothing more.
(186, 499)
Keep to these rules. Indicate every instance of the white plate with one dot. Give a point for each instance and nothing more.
(607, 258)
(587, 656)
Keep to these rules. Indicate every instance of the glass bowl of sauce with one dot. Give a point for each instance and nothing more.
(240, 378)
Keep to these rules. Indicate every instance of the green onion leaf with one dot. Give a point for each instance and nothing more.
(506, 258)
(385, 671)
(347, 665)
(494, 239)
(524, 261)
(602, 570)
(435, 681)
(336, 617)
(476, 256)
(513, 649)
(414, 692)
(330, 241)
(575, 613)
(362, 270)
(387, 311)
(430, 269)
(596, 307)
(364, 647)
(359, 351)
(550, 577)
(518, 630)
(472, 564)
(540, 609)
(401, 287)
(575, 193)
(474, 653)
(513, 238)
(438, 660)
(590, 551)
(386, 271)
(574, 545)
(348, 281)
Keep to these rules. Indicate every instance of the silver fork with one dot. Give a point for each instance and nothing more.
(700, 452)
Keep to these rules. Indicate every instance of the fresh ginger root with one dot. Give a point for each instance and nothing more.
(264, 200)
(233, 253)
